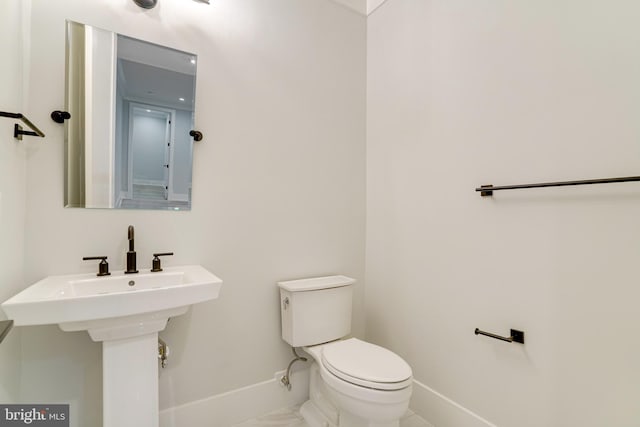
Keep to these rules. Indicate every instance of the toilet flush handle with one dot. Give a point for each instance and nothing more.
(285, 303)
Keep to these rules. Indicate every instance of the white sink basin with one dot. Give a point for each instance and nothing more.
(87, 302)
(122, 283)
(125, 312)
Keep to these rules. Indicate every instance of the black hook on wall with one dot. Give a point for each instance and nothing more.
(60, 116)
(196, 134)
(146, 4)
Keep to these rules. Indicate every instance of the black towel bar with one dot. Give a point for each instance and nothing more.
(17, 129)
(516, 336)
(487, 190)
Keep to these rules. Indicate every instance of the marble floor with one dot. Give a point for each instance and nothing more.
(290, 417)
(151, 197)
(150, 192)
(154, 204)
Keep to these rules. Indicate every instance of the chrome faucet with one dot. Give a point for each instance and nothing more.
(131, 254)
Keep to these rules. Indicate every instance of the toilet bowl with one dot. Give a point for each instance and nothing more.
(353, 383)
(356, 384)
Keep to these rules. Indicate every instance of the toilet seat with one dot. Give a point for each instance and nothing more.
(366, 365)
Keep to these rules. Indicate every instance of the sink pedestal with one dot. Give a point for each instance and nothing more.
(129, 365)
(130, 381)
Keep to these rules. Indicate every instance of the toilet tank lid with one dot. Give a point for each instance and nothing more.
(316, 283)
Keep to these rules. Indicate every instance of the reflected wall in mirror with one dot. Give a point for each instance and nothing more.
(127, 144)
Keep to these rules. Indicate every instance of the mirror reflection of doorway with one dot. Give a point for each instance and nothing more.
(154, 103)
(150, 160)
(153, 156)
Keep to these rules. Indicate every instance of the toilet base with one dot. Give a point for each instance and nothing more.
(321, 411)
(314, 416)
(318, 411)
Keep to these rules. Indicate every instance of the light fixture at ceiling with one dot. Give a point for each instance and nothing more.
(146, 4)
(150, 4)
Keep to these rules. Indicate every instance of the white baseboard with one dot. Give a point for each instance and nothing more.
(236, 406)
(179, 197)
(157, 183)
(441, 411)
(121, 196)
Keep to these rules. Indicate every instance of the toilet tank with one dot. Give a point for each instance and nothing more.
(315, 310)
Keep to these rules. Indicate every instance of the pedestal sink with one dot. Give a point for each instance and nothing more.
(125, 313)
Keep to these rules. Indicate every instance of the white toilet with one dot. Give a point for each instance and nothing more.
(353, 383)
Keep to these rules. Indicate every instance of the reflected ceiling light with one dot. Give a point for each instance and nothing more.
(181, 99)
(193, 60)
(150, 4)
(146, 4)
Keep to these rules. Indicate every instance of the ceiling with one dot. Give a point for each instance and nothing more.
(156, 74)
(364, 7)
(164, 76)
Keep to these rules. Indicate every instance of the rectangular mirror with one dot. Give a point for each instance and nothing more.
(128, 142)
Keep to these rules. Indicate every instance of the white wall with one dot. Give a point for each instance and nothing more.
(467, 93)
(278, 186)
(12, 187)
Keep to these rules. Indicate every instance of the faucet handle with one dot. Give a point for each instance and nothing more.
(103, 267)
(156, 261)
